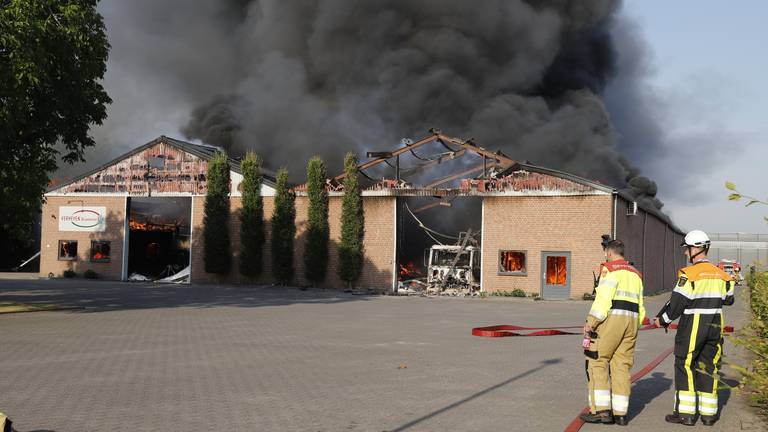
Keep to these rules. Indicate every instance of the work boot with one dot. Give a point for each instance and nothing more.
(603, 417)
(708, 420)
(620, 420)
(680, 419)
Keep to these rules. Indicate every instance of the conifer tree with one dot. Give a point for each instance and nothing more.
(283, 230)
(251, 218)
(216, 253)
(351, 246)
(316, 248)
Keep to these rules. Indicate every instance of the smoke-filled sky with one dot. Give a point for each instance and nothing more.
(566, 84)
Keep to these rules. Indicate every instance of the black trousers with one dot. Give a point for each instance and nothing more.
(698, 351)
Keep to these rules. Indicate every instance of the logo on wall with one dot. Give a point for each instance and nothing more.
(91, 219)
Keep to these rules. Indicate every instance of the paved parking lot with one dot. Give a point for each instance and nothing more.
(140, 357)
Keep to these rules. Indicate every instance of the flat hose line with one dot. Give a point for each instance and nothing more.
(506, 330)
(512, 330)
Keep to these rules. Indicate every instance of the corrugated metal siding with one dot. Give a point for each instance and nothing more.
(652, 245)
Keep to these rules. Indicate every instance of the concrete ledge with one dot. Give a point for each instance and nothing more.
(19, 276)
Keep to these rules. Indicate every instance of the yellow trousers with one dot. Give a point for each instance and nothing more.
(609, 360)
(5, 423)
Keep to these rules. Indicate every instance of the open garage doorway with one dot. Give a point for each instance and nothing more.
(438, 245)
(159, 239)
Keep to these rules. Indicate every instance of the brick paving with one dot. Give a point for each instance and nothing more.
(139, 357)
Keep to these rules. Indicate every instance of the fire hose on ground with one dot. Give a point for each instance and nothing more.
(506, 330)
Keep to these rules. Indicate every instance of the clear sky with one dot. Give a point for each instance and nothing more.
(709, 64)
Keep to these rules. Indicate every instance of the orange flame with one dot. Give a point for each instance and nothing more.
(409, 270)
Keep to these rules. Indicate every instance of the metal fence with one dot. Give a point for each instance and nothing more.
(747, 249)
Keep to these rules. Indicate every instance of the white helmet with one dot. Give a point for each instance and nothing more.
(696, 238)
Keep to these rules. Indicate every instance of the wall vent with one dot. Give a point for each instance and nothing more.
(632, 208)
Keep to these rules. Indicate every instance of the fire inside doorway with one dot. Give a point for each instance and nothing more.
(439, 245)
(438, 183)
(159, 238)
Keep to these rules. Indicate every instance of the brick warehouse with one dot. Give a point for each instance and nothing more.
(546, 223)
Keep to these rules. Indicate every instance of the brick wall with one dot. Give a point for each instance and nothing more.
(50, 236)
(537, 224)
(379, 244)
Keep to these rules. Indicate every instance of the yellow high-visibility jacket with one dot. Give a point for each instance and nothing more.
(619, 292)
(702, 288)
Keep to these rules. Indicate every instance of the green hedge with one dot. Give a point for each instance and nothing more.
(252, 236)
(283, 230)
(216, 247)
(754, 339)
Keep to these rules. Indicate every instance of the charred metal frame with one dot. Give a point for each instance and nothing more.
(497, 158)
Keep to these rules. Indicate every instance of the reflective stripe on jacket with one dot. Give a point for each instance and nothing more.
(619, 292)
(702, 288)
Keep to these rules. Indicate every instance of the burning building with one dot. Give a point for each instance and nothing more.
(134, 215)
(533, 228)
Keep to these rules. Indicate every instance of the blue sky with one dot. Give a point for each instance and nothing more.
(708, 71)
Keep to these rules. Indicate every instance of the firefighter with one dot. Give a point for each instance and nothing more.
(701, 291)
(5, 424)
(612, 324)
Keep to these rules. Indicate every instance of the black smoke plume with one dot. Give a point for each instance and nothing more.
(322, 77)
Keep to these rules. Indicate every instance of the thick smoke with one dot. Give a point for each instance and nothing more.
(311, 77)
(290, 79)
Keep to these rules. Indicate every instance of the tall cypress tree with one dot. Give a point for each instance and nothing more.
(316, 248)
(216, 253)
(283, 230)
(251, 218)
(351, 247)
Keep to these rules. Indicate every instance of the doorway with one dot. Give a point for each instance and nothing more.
(555, 275)
(159, 237)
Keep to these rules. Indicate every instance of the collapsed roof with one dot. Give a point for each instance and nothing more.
(498, 175)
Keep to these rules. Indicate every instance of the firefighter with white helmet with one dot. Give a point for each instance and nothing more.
(701, 291)
(611, 332)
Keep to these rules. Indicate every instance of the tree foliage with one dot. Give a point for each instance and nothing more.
(283, 230)
(754, 337)
(316, 248)
(352, 224)
(735, 195)
(53, 56)
(251, 218)
(216, 252)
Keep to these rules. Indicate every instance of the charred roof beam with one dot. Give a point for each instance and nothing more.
(454, 176)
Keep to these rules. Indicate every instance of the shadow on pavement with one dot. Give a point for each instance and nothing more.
(724, 393)
(483, 392)
(646, 390)
(98, 296)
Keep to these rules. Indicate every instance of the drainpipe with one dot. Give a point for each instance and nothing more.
(482, 244)
(395, 236)
(645, 220)
(613, 219)
(664, 260)
(126, 235)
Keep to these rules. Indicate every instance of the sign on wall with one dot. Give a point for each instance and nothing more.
(91, 219)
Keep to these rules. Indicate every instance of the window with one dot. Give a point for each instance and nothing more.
(100, 251)
(512, 262)
(67, 250)
(557, 270)
(447, 257)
